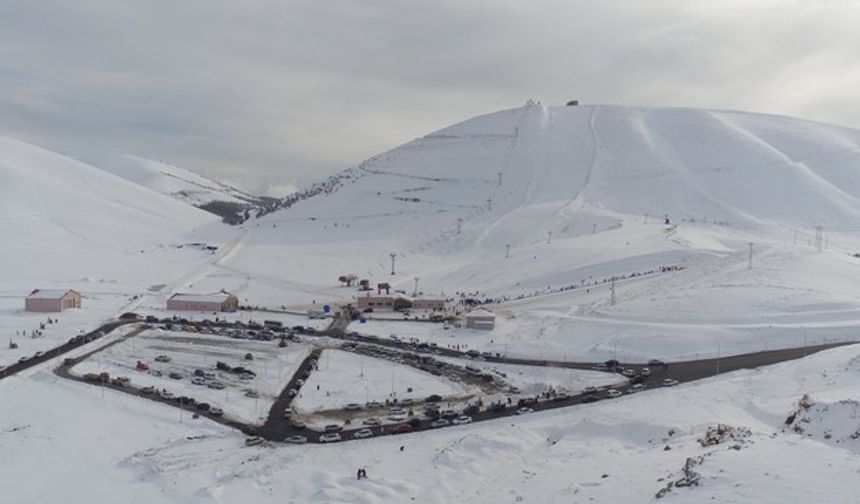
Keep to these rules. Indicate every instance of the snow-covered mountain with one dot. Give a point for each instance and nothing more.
(545, 165)
(63, 219)
(231, 203)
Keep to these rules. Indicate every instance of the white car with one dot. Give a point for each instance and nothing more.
(523, 411)
(198, 381)
(398, 417)
(589, 390)
(296, 440)
(613, 393)
(331, 437)
(371, 421)
(462, 420)
(362, 434)
(670, 382)
(215, 411)
(253, 441)
(352, 407)
(645, 371)
(166, 394)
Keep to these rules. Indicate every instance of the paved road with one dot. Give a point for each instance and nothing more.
(278, 428)
(60, 350)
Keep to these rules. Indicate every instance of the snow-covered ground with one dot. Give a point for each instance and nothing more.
(580, 195)
(188, 352)
(345, 377)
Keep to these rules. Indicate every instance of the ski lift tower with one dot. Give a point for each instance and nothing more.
(392, 255)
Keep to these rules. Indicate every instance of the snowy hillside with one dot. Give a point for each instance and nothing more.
(183, 185)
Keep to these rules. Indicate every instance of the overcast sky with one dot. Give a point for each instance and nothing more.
(285, 92)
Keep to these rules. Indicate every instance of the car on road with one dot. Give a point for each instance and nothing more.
(401, 429)
(296, 440)
(297, 424)
(629, 373)
(613, 393)
(68, 361)
(292, 393)
(461, 420)
(38, 354)
(471, 409)
(253, 441)
(449, 414)
(589, 390)
(670, 382)
(352, 407)
(216, 385)
(331, 437)
(561, 397)
(175, 376)
(216, 411)
(166, 394)
(23, 359)
(333, 428)
(198, 381)
(397, 417)
(288, 413)
(656, 362)
(362, 434)
(645, 371)
(440, 423)
(524, 410)
(162, 358)
(636, 388)
(203, 406)
(252, 394)
(373, 404)
(371, 421)
(590, 398)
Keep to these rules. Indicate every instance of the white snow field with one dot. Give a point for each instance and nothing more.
(345, 377)
(534, 209)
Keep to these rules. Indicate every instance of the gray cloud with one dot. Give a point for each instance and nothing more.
(287, 92)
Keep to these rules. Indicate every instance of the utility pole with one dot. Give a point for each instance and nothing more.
(490, 204)
(612, 291)
(749, 265)
(459, 224)
(507, 250)
(415, 292)
(393, 255)
(500, 179)
(548, 237)
(593, 228)
(819, 231)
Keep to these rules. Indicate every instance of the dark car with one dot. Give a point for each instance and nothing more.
(433, 398)
(189, 401)
(401, 429)
(495, 407)
(333, 428)
(637, 379)
(590, 398)
(471, 409)
(203, 406)
(68, 361)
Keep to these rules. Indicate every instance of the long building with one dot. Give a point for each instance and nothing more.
(215, 302)
(52, 300)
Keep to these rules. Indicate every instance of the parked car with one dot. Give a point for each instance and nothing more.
(216, 411)
(296, 440)
(147, 390)
(524, 410)
(162, 358)
(471, 409)
(297, 424)
(333, 428)
(252, 394)
(462, 420)
(645, 371)
(440, 423)
(449, 414)
(292, 393)
(216, 385)
(613, 393)
(670, 382)
(589, 390)
(401, 429)
(362, 434)
(253, 441)
(371, 421)
(330, 437)
(175, 376)
(198, 381)
(590, 398)
(656, 362)
(203, 406)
